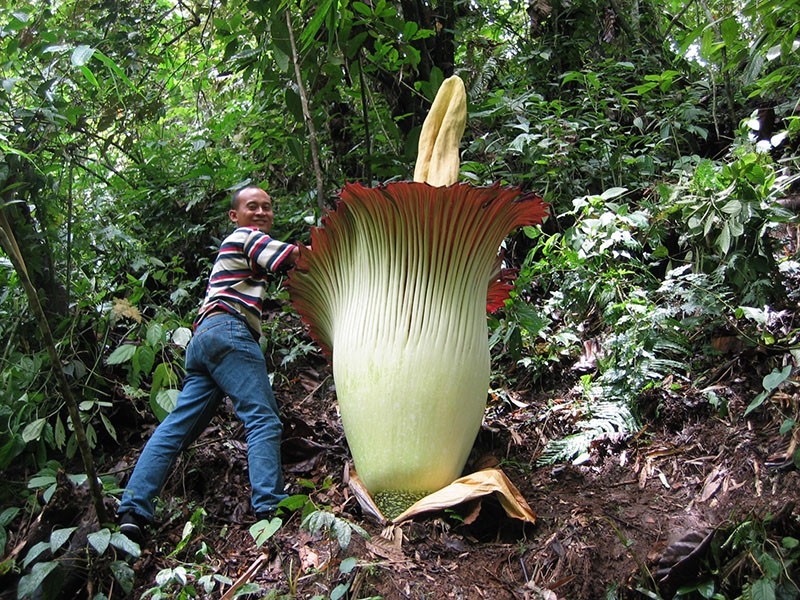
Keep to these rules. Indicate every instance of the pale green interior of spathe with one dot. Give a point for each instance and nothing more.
(411, 357)
(410, 413)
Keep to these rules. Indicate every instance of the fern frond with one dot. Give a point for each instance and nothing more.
(604, 418)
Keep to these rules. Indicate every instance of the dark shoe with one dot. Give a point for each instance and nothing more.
(131, 526)
(265, 515)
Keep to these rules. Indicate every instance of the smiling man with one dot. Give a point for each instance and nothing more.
(224, 359)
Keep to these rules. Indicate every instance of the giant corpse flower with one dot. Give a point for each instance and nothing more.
(394, 288)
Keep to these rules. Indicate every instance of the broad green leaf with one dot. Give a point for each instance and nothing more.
(91, 435)
(708, 225)
(775, 378)
(164, 403)
(41, 481)
(29, 584)
(124, 574)
(732, 207)
(263, 530)
(110, 429)
(770, 566)
(90, 76)
(7, 516)
(707, 43)
(122, 354)
(248, 588)
(188, 529)
(348, 564)
(163, 396)
(410, 30)
(724, 240)
(81, 56)
(340, 591)
(34, 553)
(757, 401)
(121, 541)
(613, 192)
(33, 430)
(280, 35)
(729, 28)
(362, 8)
(56, 49)
(355, 43)
(155, 334)
(774, 52)
(294, 104)
(762, 589)
(143, 359)
(22, 17)
(100, 540)
(343, 533)
(706, 588)
(529, 319)
(59, 537)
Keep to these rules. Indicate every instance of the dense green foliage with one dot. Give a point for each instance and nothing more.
(664, 135)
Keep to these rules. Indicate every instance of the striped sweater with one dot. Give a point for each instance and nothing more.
(238, 281)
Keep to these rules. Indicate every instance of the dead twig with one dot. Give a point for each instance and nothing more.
(246, 577)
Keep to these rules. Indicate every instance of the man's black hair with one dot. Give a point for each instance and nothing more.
(235, 198)
(235, 195)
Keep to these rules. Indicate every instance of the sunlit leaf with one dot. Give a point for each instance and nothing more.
(181, 336)
(122, 354)
(263, 530)
(81, 55)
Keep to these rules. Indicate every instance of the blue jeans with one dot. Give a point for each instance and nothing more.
(222, 359)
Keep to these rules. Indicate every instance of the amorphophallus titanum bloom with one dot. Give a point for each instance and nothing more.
(394, 288)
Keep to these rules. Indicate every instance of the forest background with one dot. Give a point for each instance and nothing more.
(664, 136)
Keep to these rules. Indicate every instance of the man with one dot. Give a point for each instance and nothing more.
(224, 359)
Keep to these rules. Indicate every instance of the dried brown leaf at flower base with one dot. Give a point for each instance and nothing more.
(470, 487)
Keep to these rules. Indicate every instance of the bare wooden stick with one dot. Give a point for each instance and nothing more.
(251, 572)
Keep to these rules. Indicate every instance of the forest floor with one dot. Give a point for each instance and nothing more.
(690, 499)
(638, 514)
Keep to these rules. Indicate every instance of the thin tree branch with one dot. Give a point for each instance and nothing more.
(365, 117)
(726, 76)
(676, 19)
(312, 132)
(9, 243)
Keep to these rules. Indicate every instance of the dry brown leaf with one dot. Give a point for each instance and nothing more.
(470, 487)
(309, 559)
(388, 544)
(473, 486)
(712, 483)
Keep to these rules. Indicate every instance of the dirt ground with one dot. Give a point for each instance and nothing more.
(694, 497)
(635, 520)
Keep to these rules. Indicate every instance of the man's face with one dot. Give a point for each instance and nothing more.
(254, 210)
